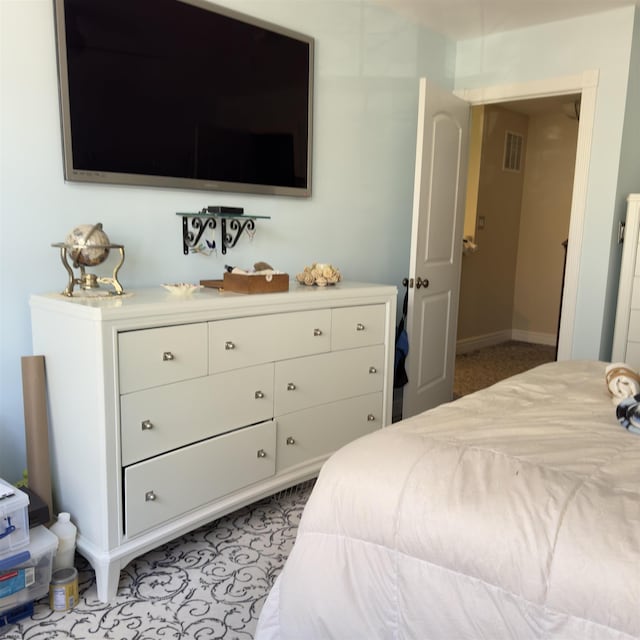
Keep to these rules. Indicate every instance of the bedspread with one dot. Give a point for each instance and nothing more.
(510, 513)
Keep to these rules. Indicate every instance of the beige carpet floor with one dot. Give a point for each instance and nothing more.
(482, 368)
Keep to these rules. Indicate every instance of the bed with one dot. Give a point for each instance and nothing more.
(510, 513)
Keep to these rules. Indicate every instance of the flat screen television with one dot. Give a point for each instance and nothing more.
(183, 93)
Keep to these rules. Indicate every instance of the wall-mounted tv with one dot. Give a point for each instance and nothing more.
(183, 93)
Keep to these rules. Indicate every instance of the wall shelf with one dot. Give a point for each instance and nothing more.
(232, 226)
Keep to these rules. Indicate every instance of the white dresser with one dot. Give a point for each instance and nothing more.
(626, 335)
(167, 412)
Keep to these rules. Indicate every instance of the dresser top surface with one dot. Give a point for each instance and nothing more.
(156, 300)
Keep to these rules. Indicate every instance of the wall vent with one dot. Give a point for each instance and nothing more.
(513, 144)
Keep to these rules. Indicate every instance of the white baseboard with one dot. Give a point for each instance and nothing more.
(535, 337)
(478, 342)
(490, 339)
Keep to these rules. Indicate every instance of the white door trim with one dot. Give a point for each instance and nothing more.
(586, 84)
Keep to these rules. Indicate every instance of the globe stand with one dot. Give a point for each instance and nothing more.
(89, 281)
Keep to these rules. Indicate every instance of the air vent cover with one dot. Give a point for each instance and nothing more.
(513, 144)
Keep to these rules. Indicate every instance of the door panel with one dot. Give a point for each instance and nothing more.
(440, 233)
(434, 318)
(436, 247)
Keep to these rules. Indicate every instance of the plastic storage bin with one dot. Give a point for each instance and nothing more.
(14, 520)
(11, 616)
(30, 579)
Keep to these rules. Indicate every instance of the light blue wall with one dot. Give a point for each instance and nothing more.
(367, 65)
(630, 154)
(602, 42)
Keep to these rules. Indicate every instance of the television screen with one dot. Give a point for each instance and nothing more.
(183, 93)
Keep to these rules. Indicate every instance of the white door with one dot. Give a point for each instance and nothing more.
(436, 247)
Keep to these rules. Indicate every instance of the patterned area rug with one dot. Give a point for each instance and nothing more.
(482, 368)
(208, 584)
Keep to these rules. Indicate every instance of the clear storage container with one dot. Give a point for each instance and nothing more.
(11, 616)
(14, 520)
(30, 579)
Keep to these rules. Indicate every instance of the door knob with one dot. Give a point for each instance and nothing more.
(422, 282)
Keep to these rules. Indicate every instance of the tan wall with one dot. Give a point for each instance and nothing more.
(473, 171)
(544, 223)
(488, 276)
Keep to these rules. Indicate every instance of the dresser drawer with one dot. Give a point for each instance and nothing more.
(357, 326)
(167, 486)
(153, 357)
(241, 342)
(158, 420)
(308, 434)
(315, 380)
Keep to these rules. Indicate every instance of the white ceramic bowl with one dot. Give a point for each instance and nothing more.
(182, 288)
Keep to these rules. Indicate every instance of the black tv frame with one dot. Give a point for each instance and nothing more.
(73, 174)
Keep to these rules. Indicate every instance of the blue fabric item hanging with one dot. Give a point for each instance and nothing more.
(400, 377)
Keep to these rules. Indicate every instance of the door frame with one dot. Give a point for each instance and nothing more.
(586, 84)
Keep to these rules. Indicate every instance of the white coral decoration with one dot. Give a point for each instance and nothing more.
(319, 274)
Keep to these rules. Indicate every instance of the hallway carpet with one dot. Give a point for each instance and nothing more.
(481, 368)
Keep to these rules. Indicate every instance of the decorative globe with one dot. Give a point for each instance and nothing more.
(88, 245)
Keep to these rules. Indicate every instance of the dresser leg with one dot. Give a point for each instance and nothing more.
(107, 579)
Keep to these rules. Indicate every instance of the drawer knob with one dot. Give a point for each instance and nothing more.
(317, 332)
(259, 395)
(291, 387)
(262, 453)
(229, 346)
(291, 440)
(373, 370)
(371, 417)
(359, 327)
(167, 356)
(146, 425)
(149, 496)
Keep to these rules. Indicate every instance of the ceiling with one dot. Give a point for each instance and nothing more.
(462, 19)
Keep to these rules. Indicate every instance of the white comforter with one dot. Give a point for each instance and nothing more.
(512, 513)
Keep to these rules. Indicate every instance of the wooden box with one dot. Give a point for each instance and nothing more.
(241, 283)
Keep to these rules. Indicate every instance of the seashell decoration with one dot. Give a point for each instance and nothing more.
(320, 274)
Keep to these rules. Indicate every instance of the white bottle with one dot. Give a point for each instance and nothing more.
(66, 532)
